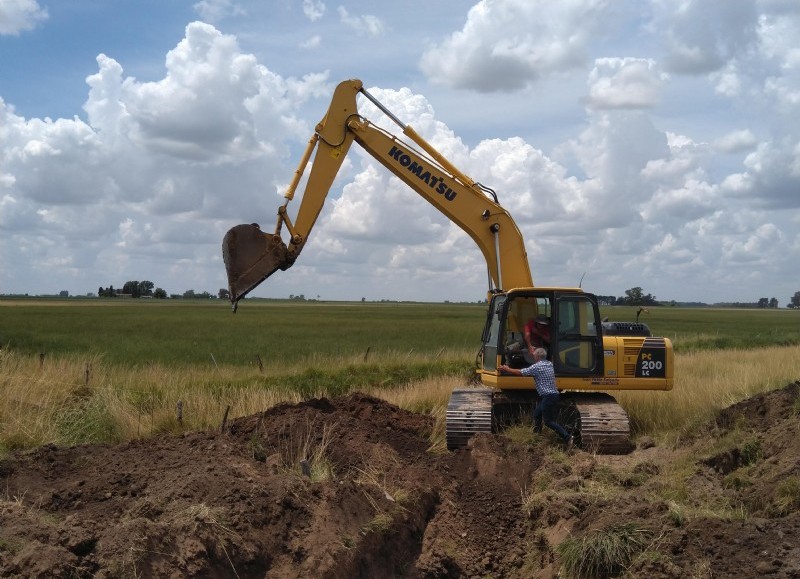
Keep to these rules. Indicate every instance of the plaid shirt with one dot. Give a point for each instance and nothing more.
(543, 376)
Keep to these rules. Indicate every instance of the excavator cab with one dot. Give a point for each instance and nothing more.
(566, 323)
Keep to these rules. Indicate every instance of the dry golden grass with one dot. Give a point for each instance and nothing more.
(70, 400)
(706, 382)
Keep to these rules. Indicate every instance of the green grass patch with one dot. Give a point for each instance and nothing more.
(276, 333)
(272, 334)
(602, 553)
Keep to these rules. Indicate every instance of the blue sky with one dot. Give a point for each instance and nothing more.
(643, 143)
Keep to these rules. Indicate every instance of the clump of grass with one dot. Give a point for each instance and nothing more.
(10, 545)
(520, 433)
(788, 496)
(602, 553)
(736, 481)
(676, 513)
(390, 500)
(533, 502)
(751, 452)
(379, 475)
(379, 524)
(438, 435)
(85, 419)
(304, 451)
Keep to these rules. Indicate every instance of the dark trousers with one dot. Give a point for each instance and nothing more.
(547, 410)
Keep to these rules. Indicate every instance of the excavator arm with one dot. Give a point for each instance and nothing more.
(252, 255)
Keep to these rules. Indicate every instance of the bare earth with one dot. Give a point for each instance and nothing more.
(237, 504)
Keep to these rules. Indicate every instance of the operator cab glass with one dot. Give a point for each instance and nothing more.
(578, 341)
(565, 324)
(492, 332)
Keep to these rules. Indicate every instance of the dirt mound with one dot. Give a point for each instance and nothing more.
(350, 488)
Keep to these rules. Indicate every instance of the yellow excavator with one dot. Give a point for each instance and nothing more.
(591, 356)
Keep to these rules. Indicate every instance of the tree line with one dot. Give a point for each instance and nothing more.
(147, 289)
(636, 297)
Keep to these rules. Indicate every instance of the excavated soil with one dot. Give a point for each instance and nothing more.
(257, 500)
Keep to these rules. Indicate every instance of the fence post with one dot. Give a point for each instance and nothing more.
(225, 419)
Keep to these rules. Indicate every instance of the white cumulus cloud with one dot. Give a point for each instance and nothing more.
(18, 16)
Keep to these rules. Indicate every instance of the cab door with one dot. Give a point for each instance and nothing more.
(577, 342)
(491, 342)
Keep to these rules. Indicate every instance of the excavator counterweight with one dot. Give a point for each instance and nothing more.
(250, 257)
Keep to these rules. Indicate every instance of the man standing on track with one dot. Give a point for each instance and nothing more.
(545, 379)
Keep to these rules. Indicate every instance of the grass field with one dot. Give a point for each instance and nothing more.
(181, 333)
(74, 371)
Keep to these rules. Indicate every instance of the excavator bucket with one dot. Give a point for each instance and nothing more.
(250, 257)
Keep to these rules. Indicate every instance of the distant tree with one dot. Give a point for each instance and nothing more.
(773, 302)
(108, 292)
(146, 288)
(794, 302)
(636, 297)
(193, 295)
(763, 302)
(63, 294)
(132, 288)
(633, 296)
(159, 294)
(223, 294)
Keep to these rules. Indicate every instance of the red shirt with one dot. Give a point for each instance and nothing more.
(538, 330)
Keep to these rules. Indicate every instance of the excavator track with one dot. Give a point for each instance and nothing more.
(469, 411)
(598, 422)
